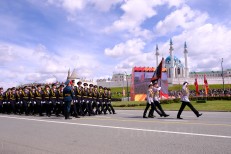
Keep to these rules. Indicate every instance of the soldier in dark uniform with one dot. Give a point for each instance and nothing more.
(79, 99)
(32, 101)
(105, 101)
(48, 105)
(90, 98)
(39, 100)
(7, 105)
(95, 100)
(68, 96)
(20, 102)
(85, 100)
(60, 107)
(109, 101)
(26, 100)
(1, 99)
(53, 99)
(100, 96)
(12, 99)
(74, 101)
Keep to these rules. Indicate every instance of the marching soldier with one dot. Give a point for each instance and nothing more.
(185, 101)
(19, 101)
(53, 99)
(150, 102)
(90, 98)
(74, 102)
(39, 100)
(59, 104)
(32, 101)
(68, 96)
(26, 100)
(1, 99)
(85, 100)
(109, 101)
(156, 90)
(7, 106)
(105, 100)
(100, 105)
(12, 99)
(95, 99)
(79, 99)
(48, 105)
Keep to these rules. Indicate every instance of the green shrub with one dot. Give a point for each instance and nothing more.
(201, 101)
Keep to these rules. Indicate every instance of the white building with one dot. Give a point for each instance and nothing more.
(118, 80)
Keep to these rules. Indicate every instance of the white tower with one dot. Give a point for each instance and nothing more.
(172, 69)
(157, 55)
(186, 60)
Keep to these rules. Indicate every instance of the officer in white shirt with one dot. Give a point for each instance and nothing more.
(185, 101)
(156, 99)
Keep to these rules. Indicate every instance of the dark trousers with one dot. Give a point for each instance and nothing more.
(12, 106)
(67, 107)
(100, 106)
(74, 109)
(1, 106)
(59, 107)
(39, 107)
(53, 106)
(106, 108)
(32, 106)
(95, 106)
(147, 107)
(111, 107)
(189, 105)
(26, 107)
(79, 107)
(48, 107)
(157, 104)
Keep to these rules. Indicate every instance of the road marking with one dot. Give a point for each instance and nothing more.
(122, 128)
(171, 121)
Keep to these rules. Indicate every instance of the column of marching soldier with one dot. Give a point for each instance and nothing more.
(87, 100)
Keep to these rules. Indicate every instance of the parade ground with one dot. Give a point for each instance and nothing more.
(124, 132)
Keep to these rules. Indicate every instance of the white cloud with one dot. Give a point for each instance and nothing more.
(23, 65)
(130, 47)
(184, 18)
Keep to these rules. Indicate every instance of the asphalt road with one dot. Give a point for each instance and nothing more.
(125, 132)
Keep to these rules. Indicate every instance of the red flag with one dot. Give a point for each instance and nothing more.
(158, 73)
(206, 85)
(196, 85)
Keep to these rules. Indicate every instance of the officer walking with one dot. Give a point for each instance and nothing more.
(67, 98)
(185, 101)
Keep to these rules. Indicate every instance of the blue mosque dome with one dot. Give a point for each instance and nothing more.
(177, 61)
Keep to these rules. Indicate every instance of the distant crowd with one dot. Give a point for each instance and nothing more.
(211, 93)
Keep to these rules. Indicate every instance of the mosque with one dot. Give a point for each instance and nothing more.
(178, 72)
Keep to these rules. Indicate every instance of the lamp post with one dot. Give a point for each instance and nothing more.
(127, 85)
(222, 73)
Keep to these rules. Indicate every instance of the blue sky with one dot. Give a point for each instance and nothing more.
(41, 40)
